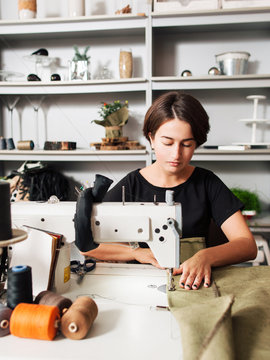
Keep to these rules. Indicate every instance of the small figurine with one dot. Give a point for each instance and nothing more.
(213, 71)
(42, 51)
(33, 77)
(186, 73)
(126, 10)
(55, 77)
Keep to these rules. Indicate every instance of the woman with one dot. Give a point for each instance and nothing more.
(176, 124)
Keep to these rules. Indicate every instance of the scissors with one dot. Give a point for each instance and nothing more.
(82, 268)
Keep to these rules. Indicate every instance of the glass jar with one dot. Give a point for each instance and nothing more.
(125, 63)
(27, 9)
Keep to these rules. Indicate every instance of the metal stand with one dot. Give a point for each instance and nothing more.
(254, 121)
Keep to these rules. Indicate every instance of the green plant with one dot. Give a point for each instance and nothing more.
(114, 114)
(108, 109)
(81, 57)
(248, 198)
(114, 117)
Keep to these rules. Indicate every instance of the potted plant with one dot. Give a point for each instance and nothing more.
(78, 67)
(250, 201)
(114, 117)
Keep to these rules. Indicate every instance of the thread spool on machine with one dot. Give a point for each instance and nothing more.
(254, 121)
(8, 235)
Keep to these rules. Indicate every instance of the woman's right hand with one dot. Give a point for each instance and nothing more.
(145, 256)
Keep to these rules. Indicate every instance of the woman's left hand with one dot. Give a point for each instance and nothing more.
(194, 271)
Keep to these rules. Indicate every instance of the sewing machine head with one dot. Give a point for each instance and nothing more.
(158, 225)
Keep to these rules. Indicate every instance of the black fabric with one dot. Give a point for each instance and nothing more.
(203, 197)
(82, 220)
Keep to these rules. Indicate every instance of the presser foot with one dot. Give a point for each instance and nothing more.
(171, 285)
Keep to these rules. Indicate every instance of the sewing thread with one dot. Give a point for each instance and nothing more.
(5, 314)
(25, 145)
(19, 285)
(10, 144)
(78, 319)
(34, 321)
(3, 143)
(50, 298)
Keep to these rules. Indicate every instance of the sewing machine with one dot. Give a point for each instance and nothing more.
(131, 298)
(157, 224)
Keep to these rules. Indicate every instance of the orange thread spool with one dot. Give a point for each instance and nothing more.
(78, 319)
(34, 321)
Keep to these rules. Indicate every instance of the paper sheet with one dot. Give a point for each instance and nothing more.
(35, 251)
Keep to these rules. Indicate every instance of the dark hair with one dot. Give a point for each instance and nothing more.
(184, 107)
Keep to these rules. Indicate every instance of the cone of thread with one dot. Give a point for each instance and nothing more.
(19, 285)
(78, 319)
(34, 321)
(50, 298)
(5, 314)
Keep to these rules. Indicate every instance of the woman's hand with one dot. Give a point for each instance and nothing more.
(194, 271)
(145, 256)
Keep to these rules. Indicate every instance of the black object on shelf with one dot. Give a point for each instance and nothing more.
(41, 51)
(33, 77)
(55, 77)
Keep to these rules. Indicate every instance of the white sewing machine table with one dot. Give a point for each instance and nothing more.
(128, 325)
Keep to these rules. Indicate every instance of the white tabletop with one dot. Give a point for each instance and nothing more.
(128, 325)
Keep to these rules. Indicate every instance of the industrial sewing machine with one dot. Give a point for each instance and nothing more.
(157, 224)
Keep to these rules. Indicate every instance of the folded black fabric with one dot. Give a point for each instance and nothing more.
(82, 221)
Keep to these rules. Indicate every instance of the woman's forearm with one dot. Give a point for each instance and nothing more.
(233, 252)
(112, 252)
(123, 252)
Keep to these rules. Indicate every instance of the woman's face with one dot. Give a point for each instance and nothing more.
(174, 145)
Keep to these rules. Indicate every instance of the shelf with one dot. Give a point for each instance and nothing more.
(71, 87)
(70, 27)
(211, 82)
(241, 155)
(251, 18)
(73, 155)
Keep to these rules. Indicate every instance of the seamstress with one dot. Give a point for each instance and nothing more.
(176, 124)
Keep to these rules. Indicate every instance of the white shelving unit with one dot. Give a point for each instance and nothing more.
(74, 87)
(166, 39)
(63, 29)
(73, 155)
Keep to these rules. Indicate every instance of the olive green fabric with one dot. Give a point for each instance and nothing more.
(228, 320)
(189, 246)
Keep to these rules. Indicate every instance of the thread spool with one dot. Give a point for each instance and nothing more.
(34, 321)
(10, 144)
(50, 298)
(5, 314)
(5, 214)
(78, 319)
(3, 143)
(25, 145)
(19, 285)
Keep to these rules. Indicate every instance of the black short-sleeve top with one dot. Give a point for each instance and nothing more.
(203, 197)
